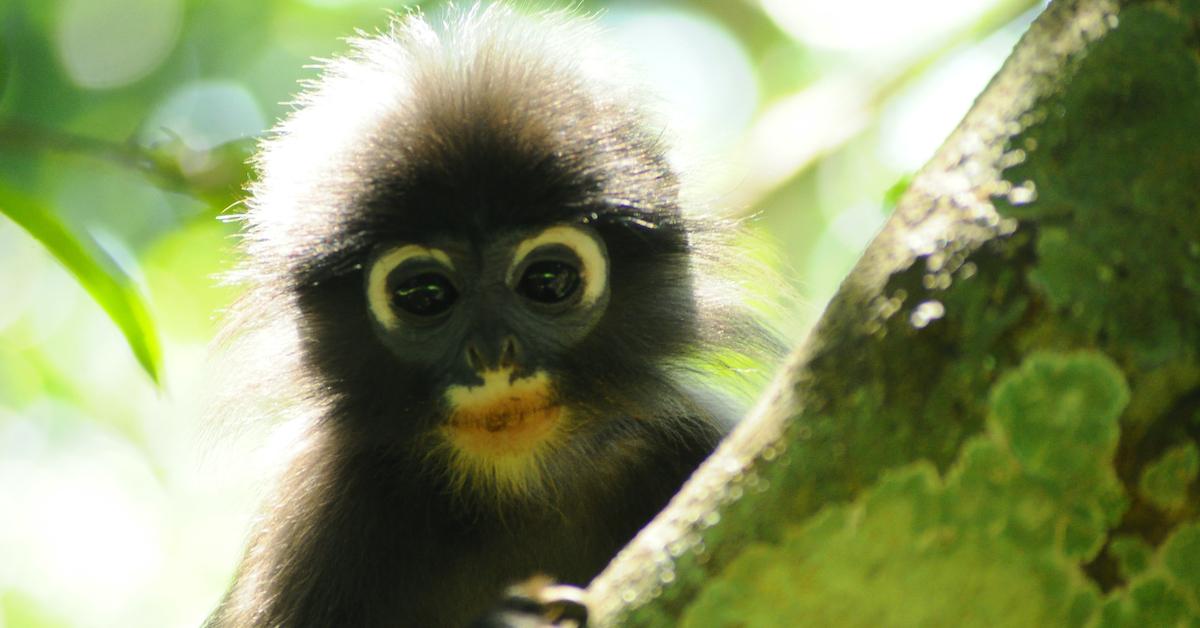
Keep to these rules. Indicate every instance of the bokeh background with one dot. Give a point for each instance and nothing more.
(124, 130)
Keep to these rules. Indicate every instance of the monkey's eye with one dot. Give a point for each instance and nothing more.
(425, 294)
(548, 282)
(411, 284)
(562, 269)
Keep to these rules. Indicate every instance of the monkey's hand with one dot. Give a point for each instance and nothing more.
(538, 603)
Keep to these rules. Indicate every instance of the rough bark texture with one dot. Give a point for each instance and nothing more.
(997, 419)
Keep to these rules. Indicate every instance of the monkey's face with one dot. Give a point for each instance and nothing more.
(491, 323)
(508, 358)
(493, 280)
(500, 320)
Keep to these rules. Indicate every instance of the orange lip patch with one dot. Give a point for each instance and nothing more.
(502, 417)
(505, 429)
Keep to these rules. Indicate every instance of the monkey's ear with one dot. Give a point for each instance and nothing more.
(538, 603)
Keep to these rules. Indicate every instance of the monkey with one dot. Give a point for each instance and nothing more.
(504, 324)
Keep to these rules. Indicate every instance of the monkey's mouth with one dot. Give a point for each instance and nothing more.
(504, 417)
(511, 427)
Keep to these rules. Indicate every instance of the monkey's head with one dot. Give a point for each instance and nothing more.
(481, 246)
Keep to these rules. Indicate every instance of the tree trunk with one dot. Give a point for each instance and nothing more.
(996, 420)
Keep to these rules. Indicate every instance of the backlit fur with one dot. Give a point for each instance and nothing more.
(494, 122)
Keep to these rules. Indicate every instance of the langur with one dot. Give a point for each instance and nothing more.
(502, 311)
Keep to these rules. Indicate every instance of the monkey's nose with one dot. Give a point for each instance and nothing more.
(486, 356)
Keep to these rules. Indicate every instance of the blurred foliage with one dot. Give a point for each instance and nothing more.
(103, 279)
(125, 129)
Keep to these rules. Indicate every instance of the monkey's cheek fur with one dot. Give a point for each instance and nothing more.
(498, 432)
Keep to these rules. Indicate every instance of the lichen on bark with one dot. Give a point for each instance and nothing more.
(996, 420)
(1025, 500)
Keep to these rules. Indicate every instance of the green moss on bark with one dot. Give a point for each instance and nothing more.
(1166, 482)
(1115, 161)
(997, 542)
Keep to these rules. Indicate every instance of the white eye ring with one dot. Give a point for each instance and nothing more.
(584, 244)
(377, 292)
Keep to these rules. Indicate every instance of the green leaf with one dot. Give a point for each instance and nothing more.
(108, 284)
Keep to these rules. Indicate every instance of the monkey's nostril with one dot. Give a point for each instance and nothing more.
(474, 359)
(508, 355)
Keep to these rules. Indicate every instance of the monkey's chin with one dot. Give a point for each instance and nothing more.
(498, 433)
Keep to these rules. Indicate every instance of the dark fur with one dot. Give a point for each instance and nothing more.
(487, 129)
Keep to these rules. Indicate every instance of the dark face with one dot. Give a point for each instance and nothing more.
(503, 298)
(490, 325)
(497, 353)
(504, 356)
